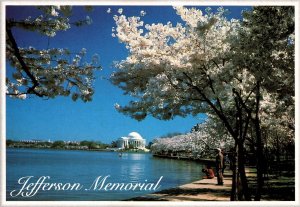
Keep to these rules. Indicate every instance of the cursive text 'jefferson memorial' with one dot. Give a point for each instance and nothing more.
(134, 140)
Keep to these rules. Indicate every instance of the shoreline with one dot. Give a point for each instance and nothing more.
(202, 160)
(77, 149)
(199, 190)
(276, 188)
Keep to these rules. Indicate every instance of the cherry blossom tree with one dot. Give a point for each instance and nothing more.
(195, 67)
(265, 49)
(182, 69)
(50, 72)
(198, 142)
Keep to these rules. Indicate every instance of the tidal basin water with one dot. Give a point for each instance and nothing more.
(85, 166)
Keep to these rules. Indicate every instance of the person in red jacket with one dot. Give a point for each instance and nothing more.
(209, 172)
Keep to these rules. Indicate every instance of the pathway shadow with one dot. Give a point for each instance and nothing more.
(180, 191)
(146, 198)
(183, 192)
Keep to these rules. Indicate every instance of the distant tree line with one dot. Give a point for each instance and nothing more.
(59, 144)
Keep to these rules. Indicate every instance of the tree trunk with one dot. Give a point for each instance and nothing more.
(259, 152)
(277, 149)
(233, 196)
(242, 174)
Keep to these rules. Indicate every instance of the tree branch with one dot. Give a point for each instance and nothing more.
(218, 112)
(23, 64)
(249, 111)
(213, 90)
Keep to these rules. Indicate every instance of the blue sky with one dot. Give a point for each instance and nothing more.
(63, 119)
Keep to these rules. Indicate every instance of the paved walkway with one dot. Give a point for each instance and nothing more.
(276, 188)
(201, 190)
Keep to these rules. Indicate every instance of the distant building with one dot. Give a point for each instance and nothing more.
(33, 141)
(133, 140)
(72, 142)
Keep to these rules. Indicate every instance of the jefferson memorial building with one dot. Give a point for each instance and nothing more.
(133, 140)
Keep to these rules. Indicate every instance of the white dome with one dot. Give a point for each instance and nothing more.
(134, 135)
(122, 138)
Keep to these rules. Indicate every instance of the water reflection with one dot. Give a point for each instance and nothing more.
(137, 156)
(84, 167)
(133, 167)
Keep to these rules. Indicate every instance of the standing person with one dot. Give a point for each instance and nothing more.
(219, 166)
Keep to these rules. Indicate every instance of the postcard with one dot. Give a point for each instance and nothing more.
(149, 103)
